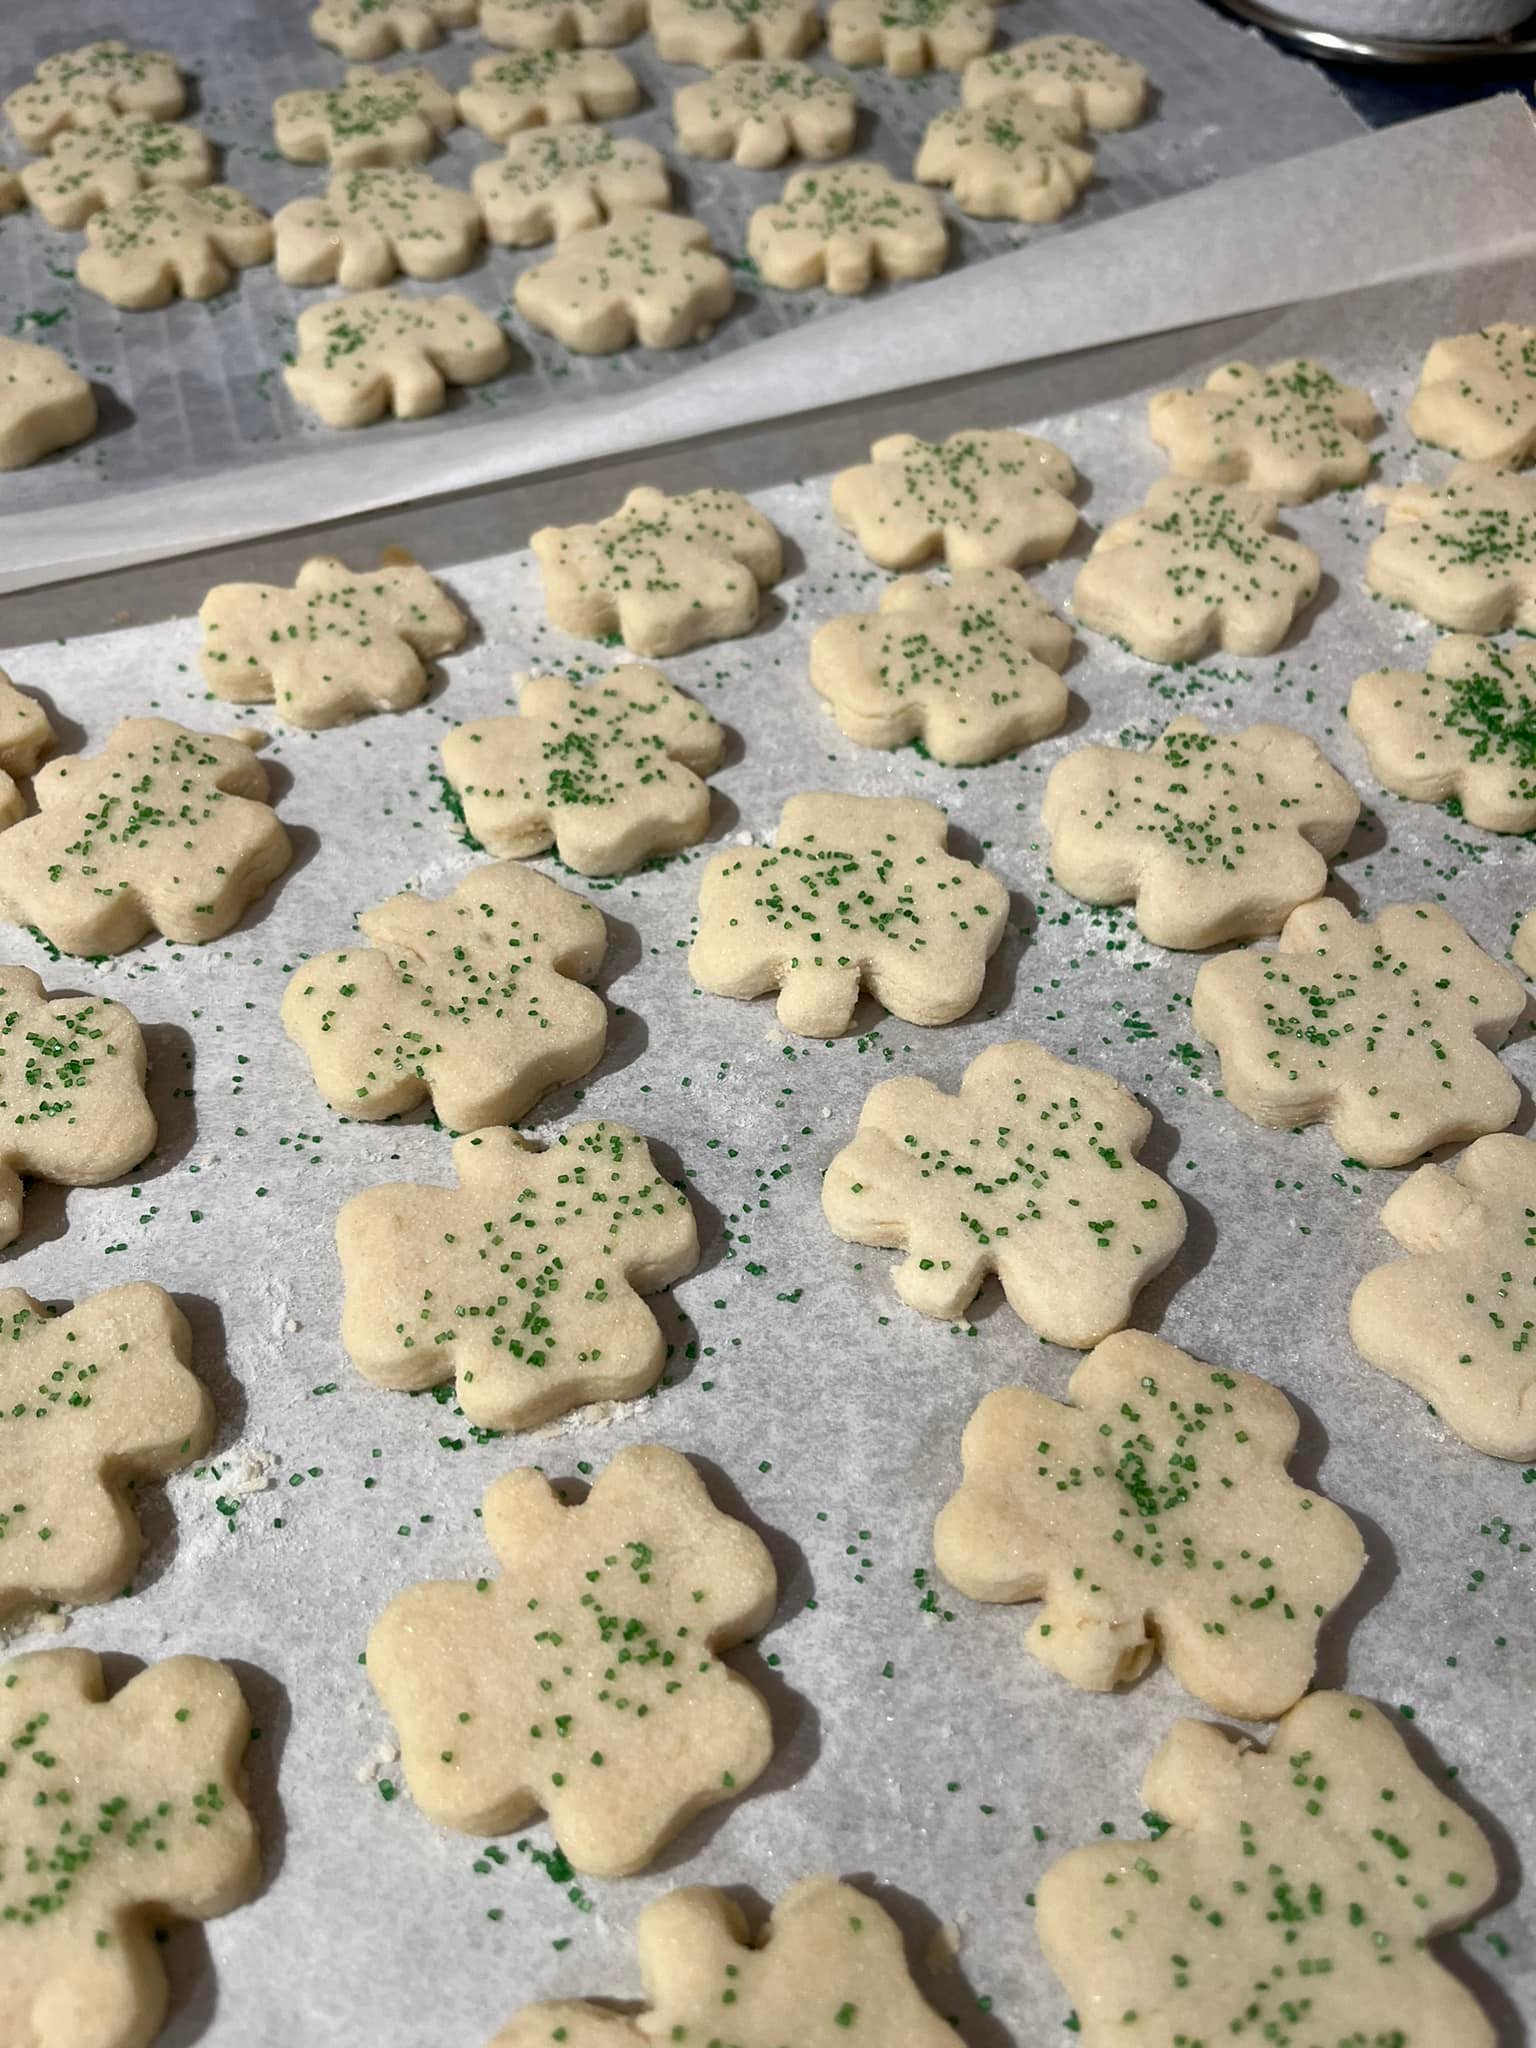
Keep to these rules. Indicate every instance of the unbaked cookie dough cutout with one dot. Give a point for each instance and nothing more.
(524, 1281)
(86, 87)
(164, 830)
(714, 32)
(664, 573)
(92, 168)
(758, 112)
(1292, 430)
(1199, 566)
(375, 117)
(855, 893)
(610, 773)
(1213, 836)
(44, 404)
(1465, 728)
(26, 737)
(1079, 73)
(371, 224)
(1009, 159)
(970, 667)
(909, 37)
(369, 29)
(167, 243)
(1383, 1029)
(1030, 1172)
(646, 279)
(845, 226)
(1463, 552)
(372, 353)
(1308, 1877)
(504, 1691)
(557, 182)
(93, 1401)
(1477, 395)
(560, 24)
(989, 499)
(546, 89)
(131, 1811)
(473, 1001)
(828, 1967)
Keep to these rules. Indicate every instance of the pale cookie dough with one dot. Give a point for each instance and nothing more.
(560, 24)
(72, 1104)
(504, 1693)
(1198, 566)
(119, 1817)
(828, 1969)
(373, 223)
(167, 243)
(1010, 159)
(1463, 552)
(376, 117)
(84, 88)
(523, 1282)
(546, 89)
(1523, 950)
(647, 278)
(92, 1402)
(26, 735)
(608, 773)
(714, 32)
(664, 573)
(988, 499)
(1291, 1899)
(44, 404)
(1077, 72)
(90, 168)
(1383, 1030)
(1213, 836)
(758, 112)
(844, 227)
(969, 667)
(377, 28)
(164, 830)
(379, 352)
(1466, 729)
(855, 893)
(910, 36)
(1030, 1173)
(473, 1002)
(337, 645)
(555, 182)
(1152, 1511)
(1292, 430)
(1477, 395)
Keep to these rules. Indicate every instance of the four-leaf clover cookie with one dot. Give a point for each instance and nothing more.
(1077, 72)
(86, 87)
(375, 117)
(45, 405)
(1465, 728)
(1477, 395)
(1008, 159)
(713, 32)
(560, 24)
(988, 499)
(546, 89)
(1382, 1029)
(377, 28)
(1152, 1511)
(651, 278)
(910, 36)
(1292, 430)
(166, 242)
(370, 353)
(856, 892)
(555, 182)
(844, 227)
(26, 735)
(758, 111)
(1213, 836)
(1463, 552)
(372, 223)
(89, 168)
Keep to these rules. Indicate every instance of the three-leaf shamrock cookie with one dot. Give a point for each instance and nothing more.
(546, 89)
(45, 405)
(1292, 430)
(86, 87)
(377, 28)
(91, 1402)
(375, 117)
(1463, 552)
(554, 182)
(1382, 1029)
(758, 111)
(370, 353)
(89, 168)
(26, 735)
(969, 667)
(910, 36)
(1213, 836)
(560, 24)
(1466, 728)
(1198, 566)
(856, 892)
(164, 830)
(1291, 1896)
(1077, 72)
(166, 242)
(844, 227)
(372, 223)
(1477, 395)
(586, 1680)
(474, 1002)
(1008, 159)
(1152, 1511)
(651, 278)
(523, 1282)
(714, 32)
(987, 499)
(1029, 1172)
(609, 773)
(664, 573)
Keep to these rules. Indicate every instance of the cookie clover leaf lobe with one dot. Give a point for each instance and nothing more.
(45, 404)
(1464, 728)
(1477, 395)
(1292, 430)
(987, 499)
(1462, 552)
(26, 735)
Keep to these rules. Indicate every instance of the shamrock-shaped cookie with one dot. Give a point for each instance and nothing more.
(1464, 729)
(91, 1402)
(844, 227)
(829, 1966)
(164, 830)
(473, 1002)
(1198, 566)
(910, 36)
(376, 117)
(758, 112)
(84, 88)
(988, 499)
(1477, 395)
(1008, 159)
(608, 773)
(1463, 552)
(666, 574)
(1383, 1029)
(546, 89)
(166, 242)
(377, 28)
(651, 278)
(713, 32)
(1029, 1172)
(969, 667)
(90, 168)
(506, 1692)
(856, 892)
(44, 404)
(26, 735)
(1076, 72)
(555, 182)
(117, 1816)
(1152, 1510)
(1292, 430)
(371, 224)
(1213, 836)
(370, 353)
(524, 1282)
(560, 24)
(1291, 1897)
